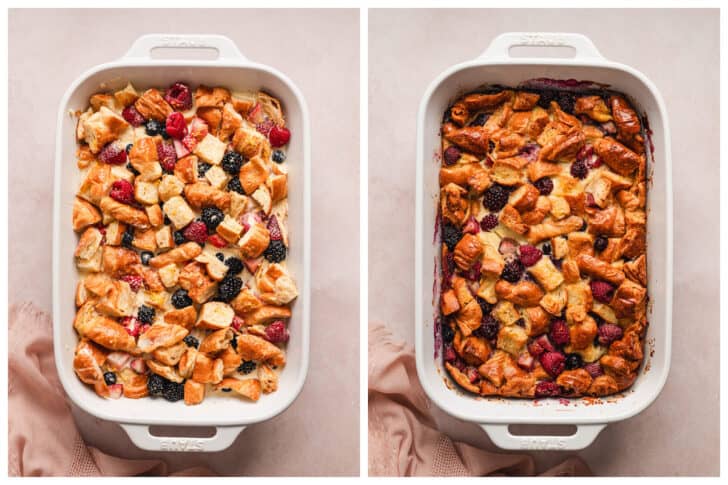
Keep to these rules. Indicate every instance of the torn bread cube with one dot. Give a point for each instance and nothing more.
(230, 229)
(170, 186)
(238, 204)
(126, 96)
(210, 149)
(114, 232)
(262, 197)
(217, 177)
(194, 392)
(154, 214)
(512, 339)
(216, 269)
(215, 315)
(506, 313)
(178, 212)
(120, 172)
(146, 193)
(546, 274)
(164, 238)
(169, 275)
(92, 264)
(102, 127)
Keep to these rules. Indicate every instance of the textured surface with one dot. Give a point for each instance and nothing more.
(407, 49)
(318, 434)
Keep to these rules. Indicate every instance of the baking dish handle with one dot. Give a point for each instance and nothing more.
(500, 47)
(143, 46)
(143, 439)
(502, 437)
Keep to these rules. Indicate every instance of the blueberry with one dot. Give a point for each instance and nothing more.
(447, 333)
(179, 238)
(167, 222)
(146, 256)
(109, 378)
(191, 341)
(127, 238)
(278, 156)
(153, 127)
(220, 256)
(601, 243)
(146, 314)
(546, 248)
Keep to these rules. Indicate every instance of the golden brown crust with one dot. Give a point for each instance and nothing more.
(152, 105)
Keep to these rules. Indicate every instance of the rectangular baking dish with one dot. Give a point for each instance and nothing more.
(495, 414)
(232, 70)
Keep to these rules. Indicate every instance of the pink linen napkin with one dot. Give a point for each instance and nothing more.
(403, 436)
(42, 435)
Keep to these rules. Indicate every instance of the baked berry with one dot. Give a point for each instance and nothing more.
(146, 256)
(128, 237)
(202, 168)
(279, 136)
(196, 231)
(489, 327)
(485, 307)
(608, 333)
(544, 185)
(122, 191)
(109, 378)
(449, 354)
(231, 162)
(594, 369)
(447, 333)
(512, 271)
(234, 341)
(265, 127)
(153, 127)
(278, 156)
(495, 198)
(275, 252)
(217, 241)
(113, 154)
(229, 288)
(573, 361)
(246, 367)
(274, 229)
(179, 96)
(601, 291)
(145, 314)
(180, 299)
(529, 255)
(559, 333)
(566, 101)
(552, 362)
(173, 391)
(472, 226)
(156, 384)
(167, 156)
(212, 217)
(179, 238)
(579, 169)
(451, 155)
(489, 222)
(235, 265)
(132, 116)
(547, 389)
(135, 281)
(235, 186)
(167, 220)
(546, 249)
(237, 323)
(600, 243)
(451, 235)
(276, 332)
(191, 341)
(176, 126)
(557, 262)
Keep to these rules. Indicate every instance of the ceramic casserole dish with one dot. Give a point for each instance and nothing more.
(232, 70)
(496, 66)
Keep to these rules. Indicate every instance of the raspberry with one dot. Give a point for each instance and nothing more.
(553, 362)
(512, 271)
(217, 241)
(134, 281)
(451, 155)
(451, 235)
(535, 349)
(585, 153)
(600, 244)
(601, 291)
(176, 125)
(489, 222)
(179, 96)
(559, 333)
(545, 344)
(544, 185)
(122, 191)
(113, 154)
(608, 333)
(279, 136)
(547, 389)
(265, 127)
(579, 169)
(276, 332)
(132, 326)
(132, 116)
(167, 156)
(488, 328)
(196, 231)
(237, 323)
(495, 198)
(594, 369)
(529, 255)
(274, 229)
(573, 361)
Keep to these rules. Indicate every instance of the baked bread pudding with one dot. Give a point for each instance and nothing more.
(181, 214)
(542, 223)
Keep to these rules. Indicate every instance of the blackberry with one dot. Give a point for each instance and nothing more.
(179, 238)
(451, 235)
(275, 252)
(155, 384)
(109, 378)
(488, 328)
(495, 198)
(128, 148)
(573, 361)
(202, 168)
(231, 162)
(447, 333)
(229, 288)
(485, 307)
(191, 341)
(566, 101)
(601, 243)
(278, 156)
(153, 127)
(145, 314)
(146, 256)
(544, 185)
(489, 222)
(579, 169)
(220, 256)
(173, 391)
(512, 271)
(212, 217)
(235, 186)
(234, 342)
(235, 266)
(247, 367)
(131, 168)
(180, 299)
(545, 98)
(128, 237)
(546, 249)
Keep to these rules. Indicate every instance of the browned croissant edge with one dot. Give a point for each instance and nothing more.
(542, 227)
(181, 214)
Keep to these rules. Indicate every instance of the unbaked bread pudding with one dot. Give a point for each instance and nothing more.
(542, 219)
(181, 214)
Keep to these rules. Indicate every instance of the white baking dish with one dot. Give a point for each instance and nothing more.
(497, 66)
(228, 414)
